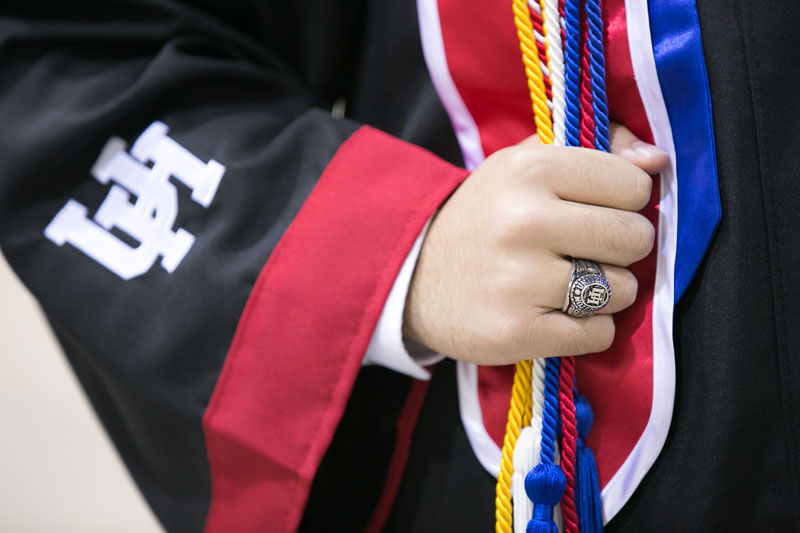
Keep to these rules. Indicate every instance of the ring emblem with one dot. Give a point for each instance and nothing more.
(588, 291)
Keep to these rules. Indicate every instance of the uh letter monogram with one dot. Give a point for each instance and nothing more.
(142, 203)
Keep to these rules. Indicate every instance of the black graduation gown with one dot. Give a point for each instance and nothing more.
(266, 74)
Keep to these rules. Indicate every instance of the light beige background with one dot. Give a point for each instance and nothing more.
(58, 469)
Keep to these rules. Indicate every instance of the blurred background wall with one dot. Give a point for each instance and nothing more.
(58, 469)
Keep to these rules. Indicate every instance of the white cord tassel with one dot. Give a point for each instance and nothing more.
(526, 455)
(527, 451)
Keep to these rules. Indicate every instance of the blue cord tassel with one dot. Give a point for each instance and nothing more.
(544, 485)
(587, 486)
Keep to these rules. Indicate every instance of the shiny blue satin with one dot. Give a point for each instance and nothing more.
(680, 63)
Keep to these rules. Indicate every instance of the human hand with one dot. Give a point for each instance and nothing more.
(492, 276)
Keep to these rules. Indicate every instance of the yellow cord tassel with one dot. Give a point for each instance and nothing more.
(519, 416)
(519, 413)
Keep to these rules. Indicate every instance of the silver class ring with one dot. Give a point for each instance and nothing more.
(588, 291)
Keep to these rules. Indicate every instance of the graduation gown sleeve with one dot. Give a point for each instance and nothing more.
(212, 248)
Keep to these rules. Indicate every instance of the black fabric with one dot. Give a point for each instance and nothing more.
(731, 459)
(249, 84)
(444, 487)
(148, 350)
(392, 90)
(399, 100)
(351, 477)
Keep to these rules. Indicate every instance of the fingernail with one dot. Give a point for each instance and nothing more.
(647, 150)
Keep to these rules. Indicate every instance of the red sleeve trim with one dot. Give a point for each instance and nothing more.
(300, 340)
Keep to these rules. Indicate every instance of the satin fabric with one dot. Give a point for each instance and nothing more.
(681, 67)
(484, 62)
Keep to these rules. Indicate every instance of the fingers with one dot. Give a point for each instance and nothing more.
(556, 334)
(491, 279)
(625, 144)
(578, 336)
(599, 233)
(556, 277)
(591, 177)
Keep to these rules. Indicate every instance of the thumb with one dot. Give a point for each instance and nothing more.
(645, 156)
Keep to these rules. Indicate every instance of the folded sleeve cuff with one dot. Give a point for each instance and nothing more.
(305, 329)
(387, 347)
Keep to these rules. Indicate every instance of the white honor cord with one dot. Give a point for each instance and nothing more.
(526, 455)
(555, 59)
(527, 451)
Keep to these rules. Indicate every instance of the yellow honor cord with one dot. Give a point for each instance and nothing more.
(533, 72)
(519, 416)
(519, 413)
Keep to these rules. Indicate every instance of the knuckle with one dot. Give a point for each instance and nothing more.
(610, 231)
(619, 238)
(517, 222)
(627, 290)
(591, 335)
(570, 346)
(640, 187)
(510, 278)
(597, 167)
(644, 237)
(513, 336)
(644, 188)
(605, 168)
(603, 337)
(522, 160)
(570, 341)
(547, 165)
(628, 236)
(511, 226)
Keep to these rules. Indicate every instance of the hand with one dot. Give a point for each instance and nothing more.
(492, 276)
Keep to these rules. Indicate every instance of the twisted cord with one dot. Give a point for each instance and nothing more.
(548, 55)
(587, 113)
(519, 415)
(572, 60)
(594, 19)
(585, 123)
(541, 46)
(529, 450)
(537, 395)
(530, 58)
(555, 62)
(569, 432)
(550, 411)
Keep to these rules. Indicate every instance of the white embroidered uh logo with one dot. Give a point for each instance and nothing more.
(142, 203)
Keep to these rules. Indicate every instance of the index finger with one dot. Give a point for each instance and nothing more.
(595, 178)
